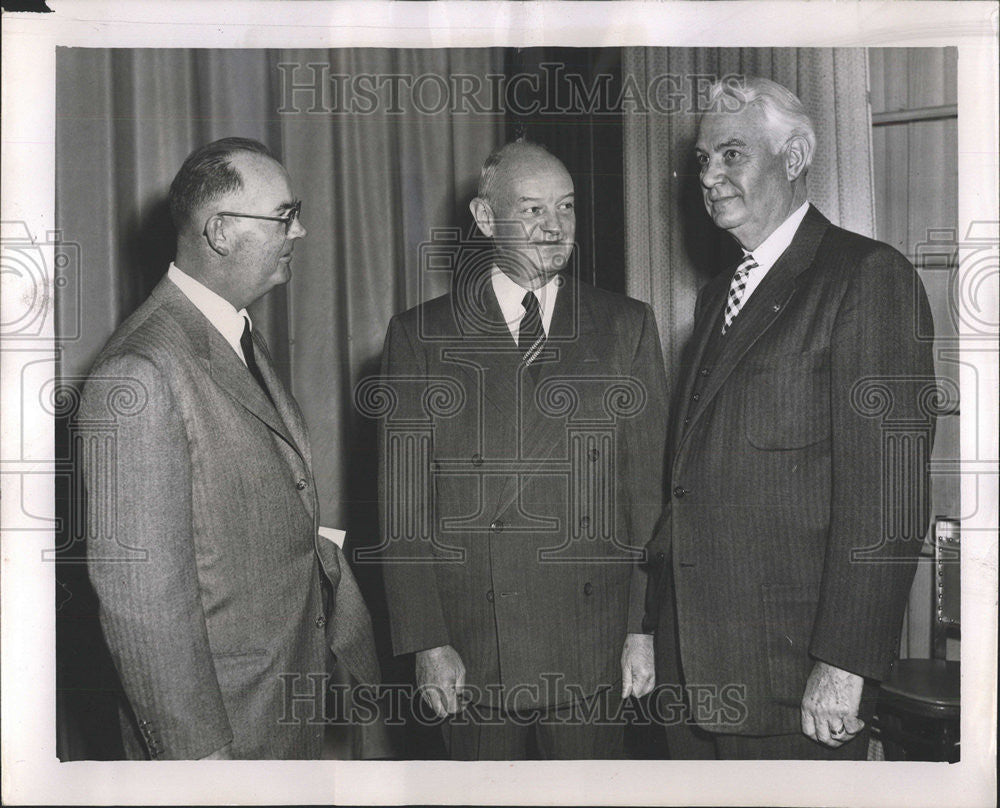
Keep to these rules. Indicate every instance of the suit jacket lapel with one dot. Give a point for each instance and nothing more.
(569, 343)
(224, 366)
(767, 305)
(699, 342)
(286, 405)
(499, 357)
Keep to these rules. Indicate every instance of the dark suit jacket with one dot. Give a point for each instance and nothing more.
(516, 501)
(799, 476)
(203, 547)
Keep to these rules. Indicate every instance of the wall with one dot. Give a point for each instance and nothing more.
(913, 93)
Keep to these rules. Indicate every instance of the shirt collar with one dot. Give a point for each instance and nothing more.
(775, 244)
(217, 310)
(510, 294)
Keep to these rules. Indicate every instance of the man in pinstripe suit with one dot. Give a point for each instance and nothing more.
(218, 600)
(797, 512)
(514, 525)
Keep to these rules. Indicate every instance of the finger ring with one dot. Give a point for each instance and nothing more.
(841, 731)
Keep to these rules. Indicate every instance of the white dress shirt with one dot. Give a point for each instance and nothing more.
(770, 250)
(510, 294)
(219, 311)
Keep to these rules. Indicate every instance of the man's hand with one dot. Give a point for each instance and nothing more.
(440, 678)
(638, 669)
(225, 753)
(830, 705)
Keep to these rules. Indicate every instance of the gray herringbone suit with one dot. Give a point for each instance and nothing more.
(210, 487)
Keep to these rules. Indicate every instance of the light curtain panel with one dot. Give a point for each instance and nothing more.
(373, 187)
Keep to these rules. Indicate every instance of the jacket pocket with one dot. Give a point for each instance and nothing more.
(789, 611)
(787, 401)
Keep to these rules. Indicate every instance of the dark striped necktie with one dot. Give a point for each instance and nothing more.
(530, 335)
(246, 343)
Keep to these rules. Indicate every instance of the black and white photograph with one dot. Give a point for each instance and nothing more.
(492, 411)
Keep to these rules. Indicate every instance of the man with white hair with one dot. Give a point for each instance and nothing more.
(790, 541)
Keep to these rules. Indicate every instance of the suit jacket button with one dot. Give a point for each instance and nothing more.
(588, 588)
(320, 621)
(679, 492)
(477, 459)
(687, 421)
(301, 485)
(776, 307)
(489, 596)
(593, 454)
(496, 525)
(704, 372)
(696, 396)
(660, 555)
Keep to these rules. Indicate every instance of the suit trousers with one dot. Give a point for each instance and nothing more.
(575, 731)
(685, 740)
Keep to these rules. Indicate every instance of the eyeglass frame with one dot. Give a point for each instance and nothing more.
(293, 214)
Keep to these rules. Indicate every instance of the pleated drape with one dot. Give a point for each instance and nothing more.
(374, 187)
(672, 247)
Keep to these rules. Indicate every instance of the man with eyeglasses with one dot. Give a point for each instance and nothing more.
(222, 615)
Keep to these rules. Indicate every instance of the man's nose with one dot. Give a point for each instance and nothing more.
(712, 173)
(551, 223)
(297, 230)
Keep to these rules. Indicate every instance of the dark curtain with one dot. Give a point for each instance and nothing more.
(375, 186)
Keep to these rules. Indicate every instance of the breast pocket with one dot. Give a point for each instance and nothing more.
(787, 401)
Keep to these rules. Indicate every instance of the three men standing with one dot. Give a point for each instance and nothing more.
(794, 522)
(522, 474)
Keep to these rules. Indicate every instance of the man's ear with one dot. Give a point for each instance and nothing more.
(217, 236)
(483, 214)
(796, 157)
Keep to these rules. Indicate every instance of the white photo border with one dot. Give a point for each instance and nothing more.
(31, 772)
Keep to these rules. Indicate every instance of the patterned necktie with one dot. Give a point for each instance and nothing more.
(530, 335)
(736, 289)
(246, 343)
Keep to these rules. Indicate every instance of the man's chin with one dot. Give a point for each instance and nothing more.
(533, 265)
(725, 220)
(283, 271)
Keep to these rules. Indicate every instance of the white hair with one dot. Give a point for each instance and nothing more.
(783, 111)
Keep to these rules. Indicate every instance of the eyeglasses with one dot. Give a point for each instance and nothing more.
(291, 216)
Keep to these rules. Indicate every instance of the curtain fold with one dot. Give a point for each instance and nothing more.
(373, 186)
(672, 247)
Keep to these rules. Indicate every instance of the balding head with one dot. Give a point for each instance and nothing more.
(207, 175)
(507, 161)
(525, 205)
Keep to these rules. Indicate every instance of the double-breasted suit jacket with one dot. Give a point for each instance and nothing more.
(517, 501)
(799, 476)
(204, 550)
